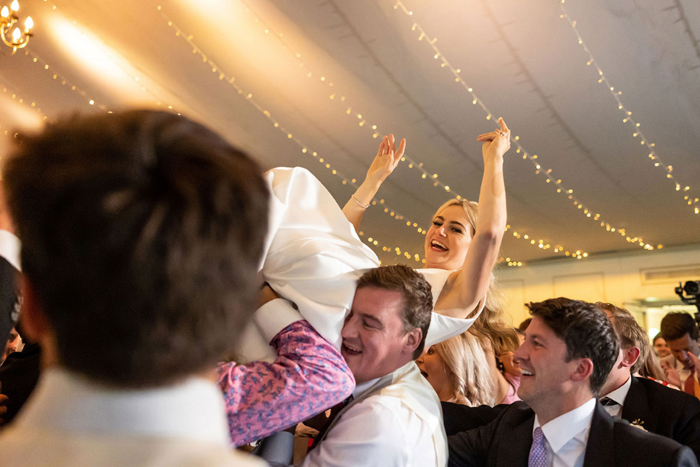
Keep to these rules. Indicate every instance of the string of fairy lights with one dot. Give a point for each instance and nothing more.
(363, 121)
(7, 89)
(92, 102)
(305, 148)
(60, 78)
(636, 132)
(533, 158)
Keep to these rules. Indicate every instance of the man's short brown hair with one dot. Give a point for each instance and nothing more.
(587, 332)
(142, 232)
(631, 335)
(416, 292)
(677, 324)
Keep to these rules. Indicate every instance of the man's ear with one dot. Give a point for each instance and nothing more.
(584, 369)
(34, 322)
(630, 357)
(413, 339)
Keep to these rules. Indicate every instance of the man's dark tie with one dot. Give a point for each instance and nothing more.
(607, 402)
(335, 410)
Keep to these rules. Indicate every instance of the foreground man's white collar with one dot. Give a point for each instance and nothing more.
(65, 401)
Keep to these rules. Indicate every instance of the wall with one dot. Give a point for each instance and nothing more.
(624, 279)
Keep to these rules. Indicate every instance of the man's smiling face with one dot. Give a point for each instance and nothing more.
(545, 371)
(374, 341)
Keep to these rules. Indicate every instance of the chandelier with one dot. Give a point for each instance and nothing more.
(14, 38)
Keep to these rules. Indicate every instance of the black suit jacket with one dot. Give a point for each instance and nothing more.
(506, 442)
(458, 418)
(664, 411)
(8, 299)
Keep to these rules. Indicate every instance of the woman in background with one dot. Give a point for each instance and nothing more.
(458, 371)
(661, 347)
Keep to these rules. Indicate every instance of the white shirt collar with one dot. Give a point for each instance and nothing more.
(362, 387)
(619, 394)
(193, 409)
(562, 429)
(9, 248)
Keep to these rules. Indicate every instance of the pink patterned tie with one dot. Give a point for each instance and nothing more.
(538, 451)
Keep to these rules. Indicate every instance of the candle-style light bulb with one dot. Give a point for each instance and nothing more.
(5, 12)
(16, 35)
(14, 5)
(28, 24)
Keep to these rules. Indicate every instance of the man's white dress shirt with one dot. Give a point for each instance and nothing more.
(567, 436)
(399, 425)
(70, 421)
(618, 395)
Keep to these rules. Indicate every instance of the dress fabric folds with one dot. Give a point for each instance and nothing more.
(313, 258)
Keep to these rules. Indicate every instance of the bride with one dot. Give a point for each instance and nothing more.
(313, 255)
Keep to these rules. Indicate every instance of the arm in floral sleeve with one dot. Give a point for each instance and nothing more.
(308, 377)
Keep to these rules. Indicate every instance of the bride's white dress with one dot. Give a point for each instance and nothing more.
(313, 258)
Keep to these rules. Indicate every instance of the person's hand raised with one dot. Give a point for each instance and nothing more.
(386, 160)
(496, 143)
(672, 376)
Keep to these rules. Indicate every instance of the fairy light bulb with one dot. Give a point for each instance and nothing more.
(14, 5)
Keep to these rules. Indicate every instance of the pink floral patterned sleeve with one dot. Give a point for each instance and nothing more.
(308, 377)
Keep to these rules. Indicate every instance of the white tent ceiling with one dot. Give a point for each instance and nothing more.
(224, 62)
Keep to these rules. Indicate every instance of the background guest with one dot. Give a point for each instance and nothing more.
(680, 331)
(458, 371)
(12, 343)
(657, 408)
(661, 347)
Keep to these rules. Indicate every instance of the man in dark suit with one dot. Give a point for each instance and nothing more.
(657, 408)
(9, 265)
(569, 349)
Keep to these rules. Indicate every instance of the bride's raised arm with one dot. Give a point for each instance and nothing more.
(384, 163)
(466, 288)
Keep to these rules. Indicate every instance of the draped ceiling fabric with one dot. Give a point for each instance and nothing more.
(521, 58)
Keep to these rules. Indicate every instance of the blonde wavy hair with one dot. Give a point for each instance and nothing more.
(467, 370)
(493, 325)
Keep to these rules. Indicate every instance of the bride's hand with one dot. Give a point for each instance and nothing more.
(386, 160)
(496, 143)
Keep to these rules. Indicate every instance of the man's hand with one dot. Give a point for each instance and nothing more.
(672, 376)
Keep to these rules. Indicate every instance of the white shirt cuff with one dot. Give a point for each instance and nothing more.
(9, 248)
(274, 316)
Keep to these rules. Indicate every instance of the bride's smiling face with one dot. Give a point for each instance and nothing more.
(448, 239)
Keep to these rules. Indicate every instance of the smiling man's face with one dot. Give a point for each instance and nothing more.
(374, 341)
(546, 374)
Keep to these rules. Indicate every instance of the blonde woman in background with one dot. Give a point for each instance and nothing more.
(458, 371)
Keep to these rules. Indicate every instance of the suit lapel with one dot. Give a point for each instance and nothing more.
(600, 447)
(514, 450)
(636, 406)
